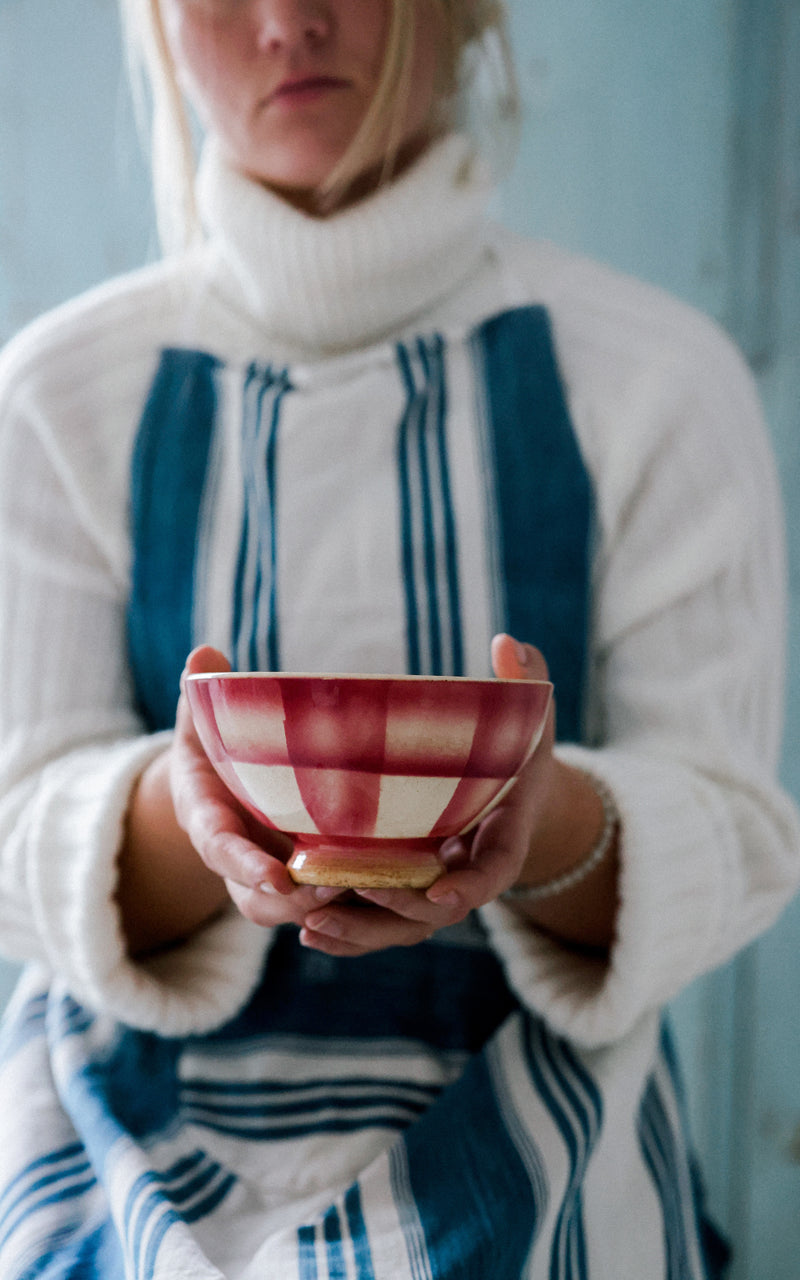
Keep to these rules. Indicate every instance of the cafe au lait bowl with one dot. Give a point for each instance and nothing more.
(368, 774)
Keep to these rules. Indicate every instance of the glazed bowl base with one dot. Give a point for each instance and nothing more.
(369, 868)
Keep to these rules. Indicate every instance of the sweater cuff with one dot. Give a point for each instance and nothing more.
(675, 890)
(72, 879)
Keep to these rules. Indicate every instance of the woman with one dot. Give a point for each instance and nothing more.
(353, 425)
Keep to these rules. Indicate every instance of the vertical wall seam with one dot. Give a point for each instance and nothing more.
(754, 199)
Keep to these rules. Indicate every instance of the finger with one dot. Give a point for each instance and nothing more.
(496, 857)
(265, 906)
(205, 660)
(221, 830)
(414, 906)
(202, 660)
(513, 660)
(330, 946)
(234, 857)
(224, 845)
(454, 852)
(218, 826)
(356, 930)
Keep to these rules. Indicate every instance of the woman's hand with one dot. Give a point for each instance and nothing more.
(190, 847)
(546, 824)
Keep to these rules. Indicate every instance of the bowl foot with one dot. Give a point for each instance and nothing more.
(365, 868)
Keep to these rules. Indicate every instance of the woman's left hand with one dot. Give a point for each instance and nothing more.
(548, 816)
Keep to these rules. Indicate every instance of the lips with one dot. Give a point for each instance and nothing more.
(305, 89)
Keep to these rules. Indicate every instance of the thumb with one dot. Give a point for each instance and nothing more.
(204, 660)
(512, 660)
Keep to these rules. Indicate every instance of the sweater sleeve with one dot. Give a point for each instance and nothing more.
(71, 741)
(686, 687)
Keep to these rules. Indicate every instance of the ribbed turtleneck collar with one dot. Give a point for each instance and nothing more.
(329, 284)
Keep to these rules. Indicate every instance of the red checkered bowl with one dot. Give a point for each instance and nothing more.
(368, 774)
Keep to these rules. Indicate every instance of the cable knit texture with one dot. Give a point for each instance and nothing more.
(685, 685)
(336, 283)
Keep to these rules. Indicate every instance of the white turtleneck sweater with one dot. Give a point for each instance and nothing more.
(687, 615)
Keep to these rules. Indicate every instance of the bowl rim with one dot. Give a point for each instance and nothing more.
(200, 676)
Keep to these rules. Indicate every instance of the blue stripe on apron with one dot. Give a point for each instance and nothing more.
(357, 1229)
(432, 359)
(307, 1253)
(332, 1233)
(657, 1143)
(94, 1255)
(543, 501)
(255, 639)
(429, 556)
(168, 475)
(473, 1194)
(574, 1102)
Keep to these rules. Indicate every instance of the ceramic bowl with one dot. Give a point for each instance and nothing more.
(368, 774)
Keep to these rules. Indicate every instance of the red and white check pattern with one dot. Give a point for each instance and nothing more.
(368, 758)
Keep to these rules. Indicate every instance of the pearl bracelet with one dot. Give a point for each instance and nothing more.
(560, 884)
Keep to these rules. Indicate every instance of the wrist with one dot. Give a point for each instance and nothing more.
(164, 891)
(582, 912)
(579, 816)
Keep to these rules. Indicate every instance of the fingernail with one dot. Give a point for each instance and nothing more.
(522, 653)
(446, 899)
(328, 925)
(453, 850)
(274, 890)
(325, 892)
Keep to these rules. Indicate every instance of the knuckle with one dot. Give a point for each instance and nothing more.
(253, 905)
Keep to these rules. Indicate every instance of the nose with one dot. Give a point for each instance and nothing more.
(287, 23)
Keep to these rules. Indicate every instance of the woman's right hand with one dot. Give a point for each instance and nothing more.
(190, 847)
(249, 856)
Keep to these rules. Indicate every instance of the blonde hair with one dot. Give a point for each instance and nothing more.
(475, 26)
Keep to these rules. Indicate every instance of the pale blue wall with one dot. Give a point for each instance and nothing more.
(662, 138)
(666, 140)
